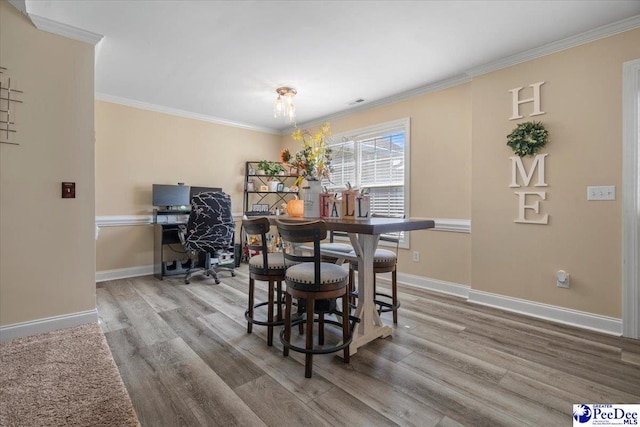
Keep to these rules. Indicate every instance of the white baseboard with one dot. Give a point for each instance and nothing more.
(40, 326)
(441, 286)
(123, 273)
(567, 316)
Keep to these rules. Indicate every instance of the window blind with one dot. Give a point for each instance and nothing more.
(375, 159)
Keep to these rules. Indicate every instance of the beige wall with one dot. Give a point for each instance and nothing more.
(47, 261)
(440, 175)
(582, 98)
(460, 169)
(136, 148)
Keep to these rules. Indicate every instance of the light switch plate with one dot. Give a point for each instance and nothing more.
(603, 192)
(68, 190)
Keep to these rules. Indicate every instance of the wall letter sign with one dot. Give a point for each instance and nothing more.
(522, 206)
(516, 101)
(516, 165)
(517, 168)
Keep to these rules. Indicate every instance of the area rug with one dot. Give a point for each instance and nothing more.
(62, 378)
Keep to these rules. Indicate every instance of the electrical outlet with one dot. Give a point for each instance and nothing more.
(416, 256)
(562, 279)
(603, 192)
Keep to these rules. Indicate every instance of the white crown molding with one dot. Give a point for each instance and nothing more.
(40, 326)
(569, 42)
(559, 45)
(567, 316)
(433, 87)
(21, 5)
(181, 113)
(55, 27)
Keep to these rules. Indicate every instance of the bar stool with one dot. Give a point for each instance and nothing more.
(268, 267)
(319, 284)
(384, 261)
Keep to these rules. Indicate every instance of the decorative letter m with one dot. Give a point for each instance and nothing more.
(516, 165)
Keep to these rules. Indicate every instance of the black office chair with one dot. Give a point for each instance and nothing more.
(208, 237)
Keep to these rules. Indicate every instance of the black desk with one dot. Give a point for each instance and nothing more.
(165, 232)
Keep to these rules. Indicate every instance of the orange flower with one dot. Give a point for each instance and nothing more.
(285, 156)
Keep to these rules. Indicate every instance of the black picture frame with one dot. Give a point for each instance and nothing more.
(280, 187)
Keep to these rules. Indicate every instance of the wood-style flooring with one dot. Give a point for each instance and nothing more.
(186, 359)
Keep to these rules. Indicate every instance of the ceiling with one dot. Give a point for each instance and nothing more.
(222, 60)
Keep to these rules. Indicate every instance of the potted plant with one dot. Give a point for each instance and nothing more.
(271, 169)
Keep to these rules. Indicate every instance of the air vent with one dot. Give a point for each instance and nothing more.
(357, 101)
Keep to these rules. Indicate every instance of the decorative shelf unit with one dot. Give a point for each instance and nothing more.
(267, 201)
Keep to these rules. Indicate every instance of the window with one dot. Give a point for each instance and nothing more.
(375, 158)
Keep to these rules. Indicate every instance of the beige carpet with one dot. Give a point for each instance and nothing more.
(62, 378)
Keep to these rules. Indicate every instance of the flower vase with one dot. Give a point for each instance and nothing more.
(273, 185)
(311, 197)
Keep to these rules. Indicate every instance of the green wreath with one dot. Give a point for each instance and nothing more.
(527, 138)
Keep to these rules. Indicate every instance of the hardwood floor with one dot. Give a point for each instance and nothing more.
(186, 359)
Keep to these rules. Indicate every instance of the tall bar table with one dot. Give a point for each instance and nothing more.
(364, 236)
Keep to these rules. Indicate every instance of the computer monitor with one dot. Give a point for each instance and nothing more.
(197, 190)
(171, 196)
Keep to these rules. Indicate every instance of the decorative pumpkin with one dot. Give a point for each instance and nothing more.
(295, 208)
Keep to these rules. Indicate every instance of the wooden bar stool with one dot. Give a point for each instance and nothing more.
(384, 261)
(318, 284)
(267, 267)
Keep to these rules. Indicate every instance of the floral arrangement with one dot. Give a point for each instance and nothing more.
(527, 138)
(314, 160)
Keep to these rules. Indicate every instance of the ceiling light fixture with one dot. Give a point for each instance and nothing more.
(286, 107)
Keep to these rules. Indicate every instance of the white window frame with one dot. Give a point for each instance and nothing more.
(370, 131)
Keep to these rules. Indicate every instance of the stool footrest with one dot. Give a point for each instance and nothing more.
(326, 350)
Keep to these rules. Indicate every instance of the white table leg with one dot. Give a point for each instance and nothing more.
(370, 326)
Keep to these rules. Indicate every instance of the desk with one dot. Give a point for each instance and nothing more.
(364, 236)
(165, 232)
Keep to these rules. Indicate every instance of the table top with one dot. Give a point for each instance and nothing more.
(375, 225)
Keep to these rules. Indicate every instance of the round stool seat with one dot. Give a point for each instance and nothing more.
(275, 262)
(301, 277)
(382, 258)
(338, 247)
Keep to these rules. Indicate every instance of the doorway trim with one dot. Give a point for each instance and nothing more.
(630, 199)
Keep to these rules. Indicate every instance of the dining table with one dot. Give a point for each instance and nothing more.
(364, 235)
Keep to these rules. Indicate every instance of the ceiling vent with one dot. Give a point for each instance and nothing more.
(357, 101)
